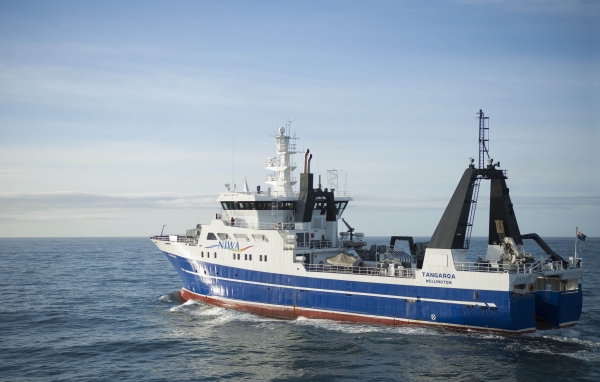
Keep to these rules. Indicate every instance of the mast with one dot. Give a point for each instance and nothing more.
(282, 166)
(576, 230)
(484, 137)
(455, 227)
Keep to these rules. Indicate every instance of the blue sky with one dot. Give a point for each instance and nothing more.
(119, 117)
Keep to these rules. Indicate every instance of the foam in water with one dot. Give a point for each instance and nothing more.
(353, 328)
(217, 315)
(570, 335)
(172, 297)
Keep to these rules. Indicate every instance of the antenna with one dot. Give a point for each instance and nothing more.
(484, 137)
(332, 179)
(318, 171)
(233, 155)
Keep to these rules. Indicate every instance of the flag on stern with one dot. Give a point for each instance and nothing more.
(581, 236)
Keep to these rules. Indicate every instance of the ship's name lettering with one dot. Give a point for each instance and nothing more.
(229, 245)
(439, 275)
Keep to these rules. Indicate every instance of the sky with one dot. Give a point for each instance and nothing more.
(118, 117)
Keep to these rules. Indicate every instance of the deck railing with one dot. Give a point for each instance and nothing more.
(365, 271)
(261, 226)
(317, 244)
(498, 268)
(176, 239)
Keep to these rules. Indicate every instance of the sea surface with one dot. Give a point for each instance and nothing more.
(82, 309)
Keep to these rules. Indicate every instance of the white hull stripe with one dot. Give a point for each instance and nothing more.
(343, 292)
(362, 315)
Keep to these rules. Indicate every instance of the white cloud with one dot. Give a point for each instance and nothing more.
(82, 206)
(12, 175)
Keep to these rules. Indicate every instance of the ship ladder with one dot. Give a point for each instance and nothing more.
(472, 213)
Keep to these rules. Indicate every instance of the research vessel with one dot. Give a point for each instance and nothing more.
(289, 253)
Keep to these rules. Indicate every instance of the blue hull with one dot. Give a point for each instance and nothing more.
(394, 303)
(560, 309)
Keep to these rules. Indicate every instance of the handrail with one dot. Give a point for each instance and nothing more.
(176, 239)
(262, 226)
(464, 266)
(537, 266)
(365, 271)
(317, 244)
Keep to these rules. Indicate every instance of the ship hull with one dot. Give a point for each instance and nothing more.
(290, 297)
(559, 309)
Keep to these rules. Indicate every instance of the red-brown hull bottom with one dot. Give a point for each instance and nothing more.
(291, 313)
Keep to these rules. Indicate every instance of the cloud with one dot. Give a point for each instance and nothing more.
(80, 89)
(8, 175)
(556, 202)
(439, 203)
(82, 206)
(374, 203)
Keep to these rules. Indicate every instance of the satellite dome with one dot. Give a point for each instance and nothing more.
(281, 130)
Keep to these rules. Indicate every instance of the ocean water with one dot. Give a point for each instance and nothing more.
(104, 309)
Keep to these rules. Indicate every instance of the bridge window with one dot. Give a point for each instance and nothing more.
(339, 207)
(258, 205)
(286, 205)
(241, 237)
(260, 237)
(227, 205)
(263, 206)
(211, 236)
(223, 236)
